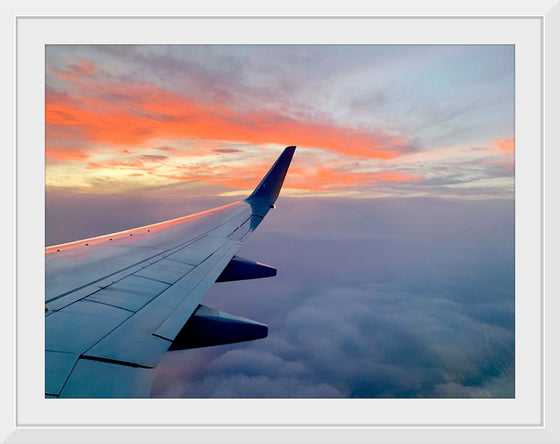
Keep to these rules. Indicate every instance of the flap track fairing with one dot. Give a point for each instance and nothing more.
(240, 269)
(207, 327)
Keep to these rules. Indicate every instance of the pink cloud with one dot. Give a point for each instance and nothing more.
(131, 114)
(507, 146)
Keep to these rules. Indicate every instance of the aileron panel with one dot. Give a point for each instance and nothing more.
(95, 379)
(80, 325)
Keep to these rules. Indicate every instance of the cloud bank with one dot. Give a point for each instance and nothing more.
(382, 298)
(373, 298)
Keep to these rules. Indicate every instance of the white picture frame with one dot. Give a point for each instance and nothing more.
(26, 418)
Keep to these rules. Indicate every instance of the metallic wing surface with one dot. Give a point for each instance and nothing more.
(115, 304)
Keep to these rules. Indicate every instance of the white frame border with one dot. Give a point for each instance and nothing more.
(549, 12)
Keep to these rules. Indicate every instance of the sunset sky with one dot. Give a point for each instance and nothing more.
(369, 121)
(394, 233)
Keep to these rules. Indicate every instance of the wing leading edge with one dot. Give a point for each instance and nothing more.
(115, 304)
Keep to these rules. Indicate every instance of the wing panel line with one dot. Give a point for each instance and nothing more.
(163, 254)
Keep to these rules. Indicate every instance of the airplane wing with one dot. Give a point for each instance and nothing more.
(115, 304)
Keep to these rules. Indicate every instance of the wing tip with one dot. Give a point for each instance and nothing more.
(289, 150)
(269, 188)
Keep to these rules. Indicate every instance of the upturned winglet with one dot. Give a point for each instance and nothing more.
(266, 193)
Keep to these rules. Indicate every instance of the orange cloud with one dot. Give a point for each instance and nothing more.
(328, 179)
(133, 114)
(507, 146)
(65, 154)
(396, 177)
(126, 165)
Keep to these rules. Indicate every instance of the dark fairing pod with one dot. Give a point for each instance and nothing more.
(240, 269)
(207, 327)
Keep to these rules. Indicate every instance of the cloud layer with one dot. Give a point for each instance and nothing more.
(394, 298)
(373, 298)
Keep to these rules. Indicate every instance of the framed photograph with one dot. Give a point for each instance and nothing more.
(415, 237)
